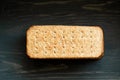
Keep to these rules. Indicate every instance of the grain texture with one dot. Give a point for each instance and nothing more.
(59, 41)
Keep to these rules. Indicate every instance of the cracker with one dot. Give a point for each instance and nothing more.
(59, 41)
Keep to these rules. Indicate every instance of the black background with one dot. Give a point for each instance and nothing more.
(16, 16)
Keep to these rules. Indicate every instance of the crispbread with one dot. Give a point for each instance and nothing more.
(60, 41)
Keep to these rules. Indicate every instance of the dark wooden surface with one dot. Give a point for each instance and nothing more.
(17, 16)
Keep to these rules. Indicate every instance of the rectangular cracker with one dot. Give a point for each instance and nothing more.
(59, 41)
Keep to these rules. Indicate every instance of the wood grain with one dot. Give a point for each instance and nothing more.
(17, 16)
